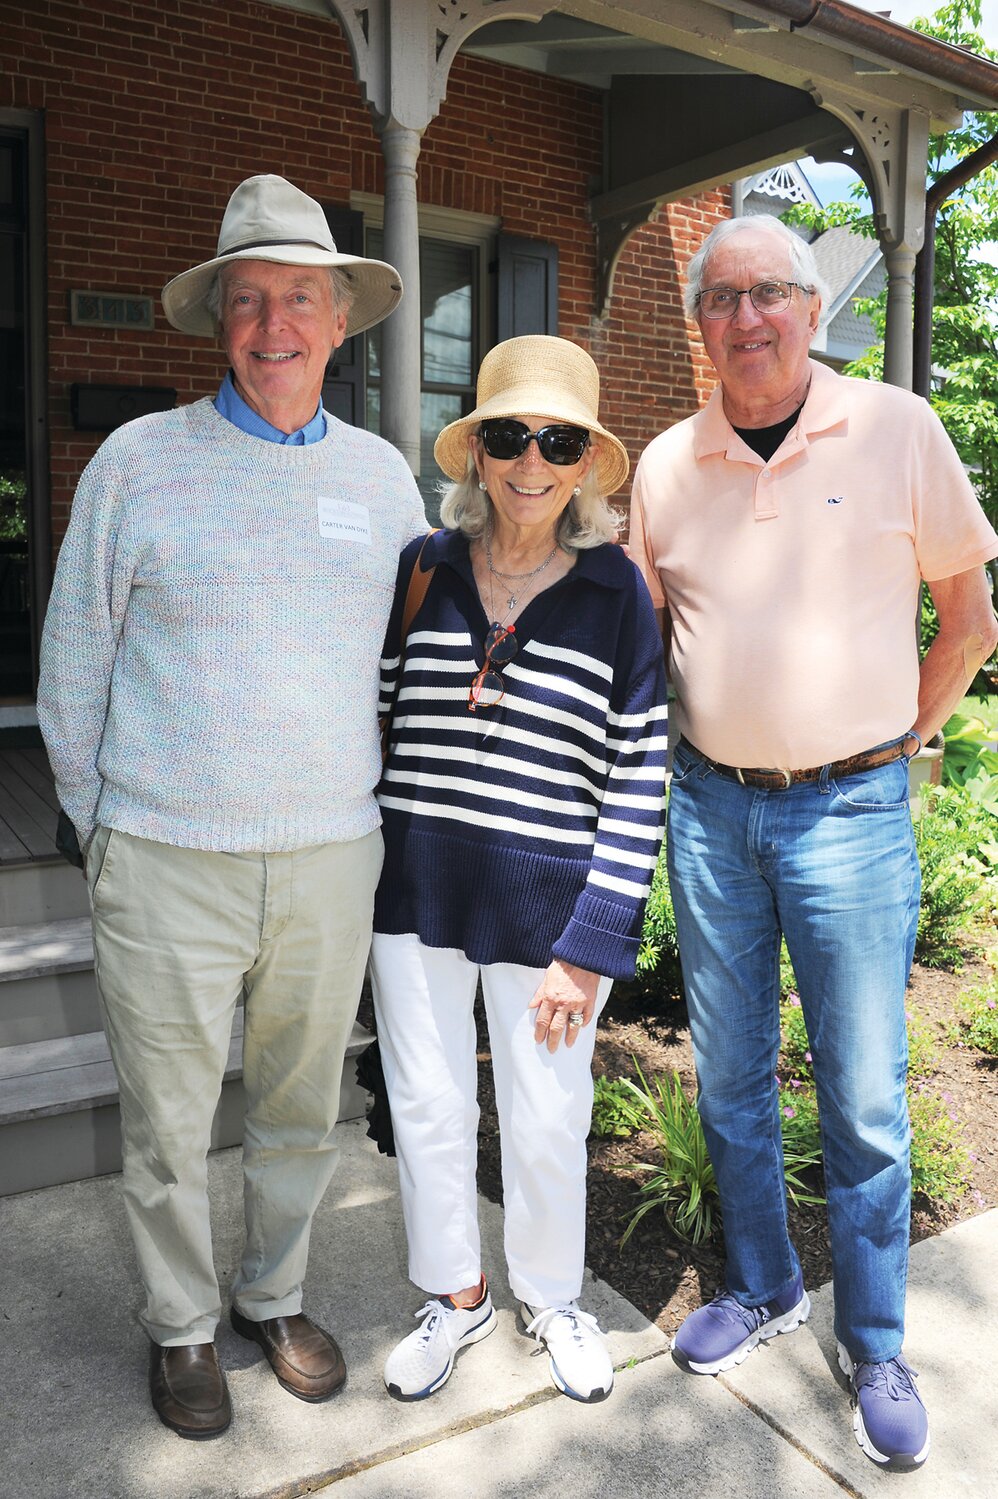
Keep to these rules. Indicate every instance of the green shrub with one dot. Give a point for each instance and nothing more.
(978, 1018)
(788, 983)
(922, 1058)
(940, 1163)
(801, 1140)
(795, 1050)
(613, 1110)
(952, 890)
(659, 975)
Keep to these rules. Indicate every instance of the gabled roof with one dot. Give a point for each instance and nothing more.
(845, 259)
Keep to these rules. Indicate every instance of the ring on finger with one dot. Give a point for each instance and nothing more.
(575, 1019)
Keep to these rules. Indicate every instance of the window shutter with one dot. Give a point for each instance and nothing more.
(527, 287)
(343, 386)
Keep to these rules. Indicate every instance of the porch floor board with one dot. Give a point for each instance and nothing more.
(29, 808)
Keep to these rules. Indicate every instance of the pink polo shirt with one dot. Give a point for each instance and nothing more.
(793, 584)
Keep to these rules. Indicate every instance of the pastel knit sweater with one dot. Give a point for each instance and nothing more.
(529, 830)
(209, 672)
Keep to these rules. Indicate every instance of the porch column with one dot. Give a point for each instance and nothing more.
(898, 336)
(400, 371)
(894, 143)
(402, 52)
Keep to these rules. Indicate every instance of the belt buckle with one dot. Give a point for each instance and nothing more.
(776, 770)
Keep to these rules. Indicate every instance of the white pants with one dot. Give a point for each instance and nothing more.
(424, 999)
(179, 936)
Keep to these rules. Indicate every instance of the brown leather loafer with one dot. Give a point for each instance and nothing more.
(305, 1359)
(188, 1389)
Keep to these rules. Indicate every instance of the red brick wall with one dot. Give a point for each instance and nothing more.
(156, 109)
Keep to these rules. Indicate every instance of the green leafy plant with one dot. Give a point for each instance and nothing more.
(922, 1056)
(801, 1141)
(952, 894)
(682, 1183)
(971, 761)
(978, 1018)
(940, 1162)
(659, 974)
(795, 1049)
(613, 1110)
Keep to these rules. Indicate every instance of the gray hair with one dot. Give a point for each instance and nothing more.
(340, 280)
(586, 521)
(803, 266)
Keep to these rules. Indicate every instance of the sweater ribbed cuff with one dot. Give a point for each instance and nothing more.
(601, 936)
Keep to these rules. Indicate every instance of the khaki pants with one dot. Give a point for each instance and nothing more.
(180, 936)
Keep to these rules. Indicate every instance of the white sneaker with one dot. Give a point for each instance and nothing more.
(579, 1358)
(423, 1361)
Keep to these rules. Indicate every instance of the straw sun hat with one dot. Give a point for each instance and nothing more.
(541, 377)
(268, 218)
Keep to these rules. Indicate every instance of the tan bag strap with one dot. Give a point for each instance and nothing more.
(419, 582)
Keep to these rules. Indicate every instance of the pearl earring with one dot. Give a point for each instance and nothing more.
(482, 486)
(577, 490)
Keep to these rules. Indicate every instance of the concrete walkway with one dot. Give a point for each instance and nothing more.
(75, 1421)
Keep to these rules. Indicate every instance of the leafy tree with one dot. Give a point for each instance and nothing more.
(965, 316)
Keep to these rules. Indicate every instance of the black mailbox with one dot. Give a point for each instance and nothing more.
(101, 408)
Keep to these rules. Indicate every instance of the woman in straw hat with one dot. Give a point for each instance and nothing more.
(522, 808)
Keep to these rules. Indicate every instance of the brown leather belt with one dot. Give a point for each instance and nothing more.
(778, 779)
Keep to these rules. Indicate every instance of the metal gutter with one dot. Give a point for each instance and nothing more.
(891, 43)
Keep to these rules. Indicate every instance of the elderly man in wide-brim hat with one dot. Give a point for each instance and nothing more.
(208, 700)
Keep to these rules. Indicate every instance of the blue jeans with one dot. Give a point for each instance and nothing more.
(832, 866)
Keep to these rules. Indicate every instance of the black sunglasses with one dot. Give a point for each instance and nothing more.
(487, 688)
(558, 443)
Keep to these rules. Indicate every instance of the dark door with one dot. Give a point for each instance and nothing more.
(16, 673)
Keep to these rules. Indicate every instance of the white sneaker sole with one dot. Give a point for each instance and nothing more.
(882, 1459)
(789, 1322)
(473, 1335)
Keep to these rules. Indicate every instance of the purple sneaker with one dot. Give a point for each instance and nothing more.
(719, 1335)
(888, 1418)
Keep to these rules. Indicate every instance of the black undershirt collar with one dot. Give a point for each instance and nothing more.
(766, 440)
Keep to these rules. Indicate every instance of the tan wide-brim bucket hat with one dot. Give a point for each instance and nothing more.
(268, 218)
(536, 376)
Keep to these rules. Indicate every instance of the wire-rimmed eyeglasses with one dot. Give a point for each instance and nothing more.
(487, 687)
(765, 296)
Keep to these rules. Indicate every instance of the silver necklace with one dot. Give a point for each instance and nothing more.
(523, 579)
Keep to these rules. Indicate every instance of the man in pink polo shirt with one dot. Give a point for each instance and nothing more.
(785, 528)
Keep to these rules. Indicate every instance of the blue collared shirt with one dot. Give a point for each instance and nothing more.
(230, 404)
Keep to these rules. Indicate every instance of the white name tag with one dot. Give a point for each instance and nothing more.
(342, 520)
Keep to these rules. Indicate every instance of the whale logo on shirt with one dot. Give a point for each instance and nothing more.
(834, 499)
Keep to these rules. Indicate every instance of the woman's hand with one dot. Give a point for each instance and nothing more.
(564, 990)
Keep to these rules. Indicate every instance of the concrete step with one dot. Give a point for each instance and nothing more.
(47, 985)
(41, 890)
(59, 1107)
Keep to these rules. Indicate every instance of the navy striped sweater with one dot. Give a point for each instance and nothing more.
(529, 830)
